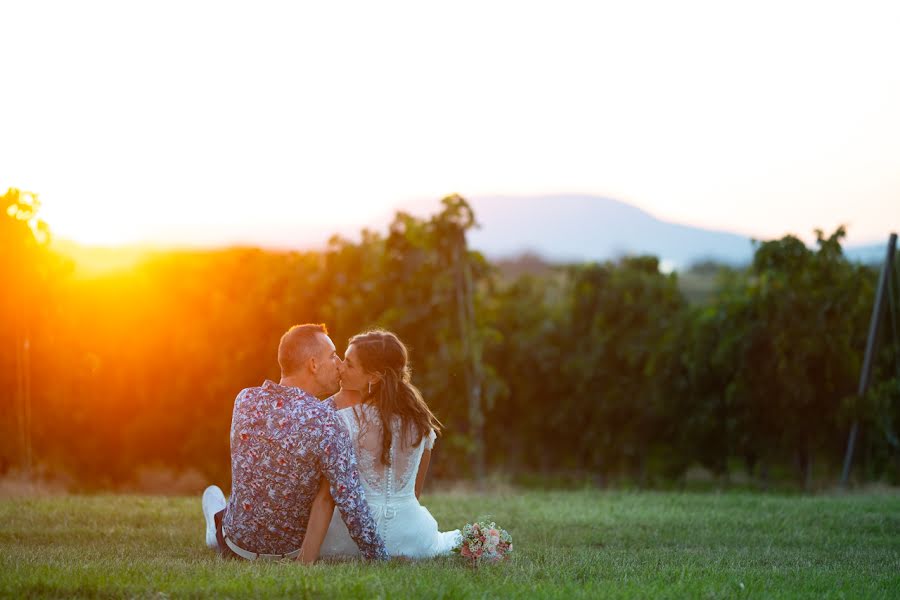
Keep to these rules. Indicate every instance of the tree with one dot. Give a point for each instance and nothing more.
(24, 271)
(790, 336)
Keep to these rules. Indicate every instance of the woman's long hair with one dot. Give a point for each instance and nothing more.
(382, 353)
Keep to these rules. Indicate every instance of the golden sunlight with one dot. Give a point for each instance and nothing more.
(86, 228)
(92, 261)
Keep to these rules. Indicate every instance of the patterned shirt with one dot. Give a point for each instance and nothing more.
(283, 441)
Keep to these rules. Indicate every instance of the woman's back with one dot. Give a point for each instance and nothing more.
(408, 529)
(397, 479)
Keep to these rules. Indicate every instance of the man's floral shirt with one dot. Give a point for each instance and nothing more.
(283, 441)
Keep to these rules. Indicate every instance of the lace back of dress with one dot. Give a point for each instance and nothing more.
(399, 477)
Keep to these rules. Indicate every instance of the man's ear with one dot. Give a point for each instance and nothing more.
(312, 364)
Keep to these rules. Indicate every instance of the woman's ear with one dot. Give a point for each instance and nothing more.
(373, 379)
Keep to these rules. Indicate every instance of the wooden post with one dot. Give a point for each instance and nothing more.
(29, 455)
(884, 285)
(476, 410)
(23, 402)
(472, 352)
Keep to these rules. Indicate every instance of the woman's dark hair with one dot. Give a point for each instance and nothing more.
(382, 353)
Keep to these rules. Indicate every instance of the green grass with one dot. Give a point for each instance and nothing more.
(568, 544)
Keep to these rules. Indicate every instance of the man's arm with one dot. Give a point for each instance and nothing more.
(338, 462)
(319, 520)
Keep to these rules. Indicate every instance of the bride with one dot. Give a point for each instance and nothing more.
(393, 460)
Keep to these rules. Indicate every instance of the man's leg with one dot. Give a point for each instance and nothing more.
(224, 550)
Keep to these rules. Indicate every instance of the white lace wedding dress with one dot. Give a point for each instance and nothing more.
(406, 527)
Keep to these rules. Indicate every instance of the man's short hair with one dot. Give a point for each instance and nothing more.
(298, 345)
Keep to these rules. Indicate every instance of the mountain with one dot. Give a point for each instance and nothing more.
(526, 232)
(870, 254)
(576, 227)
(581, 227)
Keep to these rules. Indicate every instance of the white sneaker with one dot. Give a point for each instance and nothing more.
(213, 502)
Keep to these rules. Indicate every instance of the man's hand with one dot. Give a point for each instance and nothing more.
(319, 520)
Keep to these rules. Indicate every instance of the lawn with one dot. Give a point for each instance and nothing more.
(567, 544)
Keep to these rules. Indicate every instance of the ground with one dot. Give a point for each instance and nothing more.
(567, 544)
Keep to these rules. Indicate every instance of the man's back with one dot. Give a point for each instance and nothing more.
(283, 441)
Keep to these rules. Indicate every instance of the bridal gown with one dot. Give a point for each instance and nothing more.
(406, 527)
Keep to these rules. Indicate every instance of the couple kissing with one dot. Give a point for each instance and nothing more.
(355, 435)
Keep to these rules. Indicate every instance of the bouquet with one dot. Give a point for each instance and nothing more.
(483, 541)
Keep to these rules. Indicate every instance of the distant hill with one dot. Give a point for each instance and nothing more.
(577, 228)
(525, 233)
(870, 254)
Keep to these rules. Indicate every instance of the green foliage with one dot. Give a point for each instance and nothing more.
(619, 317)
(805, 315)
(610, 372)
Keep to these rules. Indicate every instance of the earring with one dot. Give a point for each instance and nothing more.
(370, 388)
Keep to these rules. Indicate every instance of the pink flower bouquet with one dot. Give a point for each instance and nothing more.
(483, 541)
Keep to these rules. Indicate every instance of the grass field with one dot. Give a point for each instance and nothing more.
(568, 544)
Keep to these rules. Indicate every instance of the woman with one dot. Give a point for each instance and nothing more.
(393, 459)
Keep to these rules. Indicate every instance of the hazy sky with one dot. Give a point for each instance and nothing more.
(221, 121)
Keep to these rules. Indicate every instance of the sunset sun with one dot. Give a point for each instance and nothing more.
(91, 232)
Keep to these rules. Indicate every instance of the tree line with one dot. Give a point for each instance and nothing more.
(602, 372)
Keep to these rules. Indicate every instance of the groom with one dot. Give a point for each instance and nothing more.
(284, 440)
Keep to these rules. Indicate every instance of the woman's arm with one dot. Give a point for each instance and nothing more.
(423, 469)
(319, 520)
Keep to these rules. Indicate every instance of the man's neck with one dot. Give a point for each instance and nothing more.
(298, 381)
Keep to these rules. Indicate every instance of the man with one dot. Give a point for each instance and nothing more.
(284, 440)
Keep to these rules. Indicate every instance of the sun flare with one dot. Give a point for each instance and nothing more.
(92, 234)
(89, 222)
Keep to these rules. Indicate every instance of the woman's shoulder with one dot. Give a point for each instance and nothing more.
(359, 412)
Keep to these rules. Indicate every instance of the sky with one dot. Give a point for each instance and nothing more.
(223, 122)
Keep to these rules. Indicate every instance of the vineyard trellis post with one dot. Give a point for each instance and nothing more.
(865, 376)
